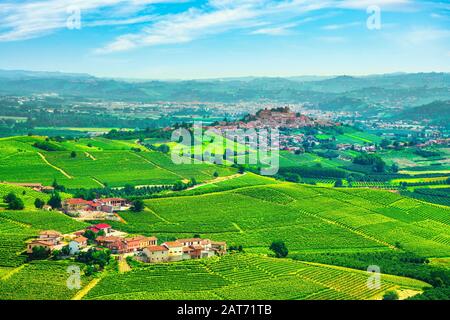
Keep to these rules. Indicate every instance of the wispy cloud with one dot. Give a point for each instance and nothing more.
(343, 25)
(30, 19)
(426, 34)
(218, 16)
(34, 18)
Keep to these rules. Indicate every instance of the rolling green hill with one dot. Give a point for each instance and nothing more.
(98, 162)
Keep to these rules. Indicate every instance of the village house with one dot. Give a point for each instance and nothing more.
(184, 249)
(155, 254)
(77, 244)
(119, 245)
(107, 205)
(48, 239)
(138, 243)
(106, 228)
(175, 250)
(114, 244)
(35, 186)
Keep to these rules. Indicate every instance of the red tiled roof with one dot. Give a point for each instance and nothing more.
(112, 199)
(75, 201)
(42, 242)
(172, 244)
(102, 226)
(94, 229)
(189, 240)
(50, 233)
(80, 239)
(157, 248)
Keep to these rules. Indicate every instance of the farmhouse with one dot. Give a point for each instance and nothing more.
(35, 186)
(156, 254)
(120, 245)
(184, 249)
(175, 250)
(49, 239)
(107, 205)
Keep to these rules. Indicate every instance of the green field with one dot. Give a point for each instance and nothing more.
(98, 162)
(244, 276)
(306, 218)
(242, 209)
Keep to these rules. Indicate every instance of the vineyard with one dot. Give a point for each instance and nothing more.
(306, 218)
(39, 280)
(97, 162)
(244, 276)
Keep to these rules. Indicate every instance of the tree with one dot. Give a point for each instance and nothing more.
(16, 204)
(39, 253)
(394, 168)
(55, 201)
(215, 174)
(91, 235)
(137, 205)
(385, 143)
(279, 248)
(338, 183)
(73, 154)
(38, 203)
(9, 197)
(390, 295)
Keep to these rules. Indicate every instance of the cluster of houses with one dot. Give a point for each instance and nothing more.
(145, 248)
(103, 208)
(184, 249)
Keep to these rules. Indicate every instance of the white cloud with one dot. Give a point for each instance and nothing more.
(276, 30)
(35, 18)
(420, 36)
(342, 26)
(219, 16)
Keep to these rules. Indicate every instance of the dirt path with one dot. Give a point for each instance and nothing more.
(216, 180)
(90, 156)
(80, 294)
(54, 167)
(157, 166)
(12, 272)
(98, 182)
(158, 216)
(123, 265)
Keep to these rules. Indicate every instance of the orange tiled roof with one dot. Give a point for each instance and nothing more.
(156, 248)
(172, 244)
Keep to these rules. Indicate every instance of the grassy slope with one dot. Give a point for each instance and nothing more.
(244, 276)
(308, 219)
(98, 161)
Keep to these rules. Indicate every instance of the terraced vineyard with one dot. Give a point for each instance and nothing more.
(244, 276)
(39, 280)
(306, 218)
(98, 162)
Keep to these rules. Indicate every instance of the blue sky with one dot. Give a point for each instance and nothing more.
(182, 39)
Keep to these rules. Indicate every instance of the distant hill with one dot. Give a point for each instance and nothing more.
(336, 93)
(437, 112)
